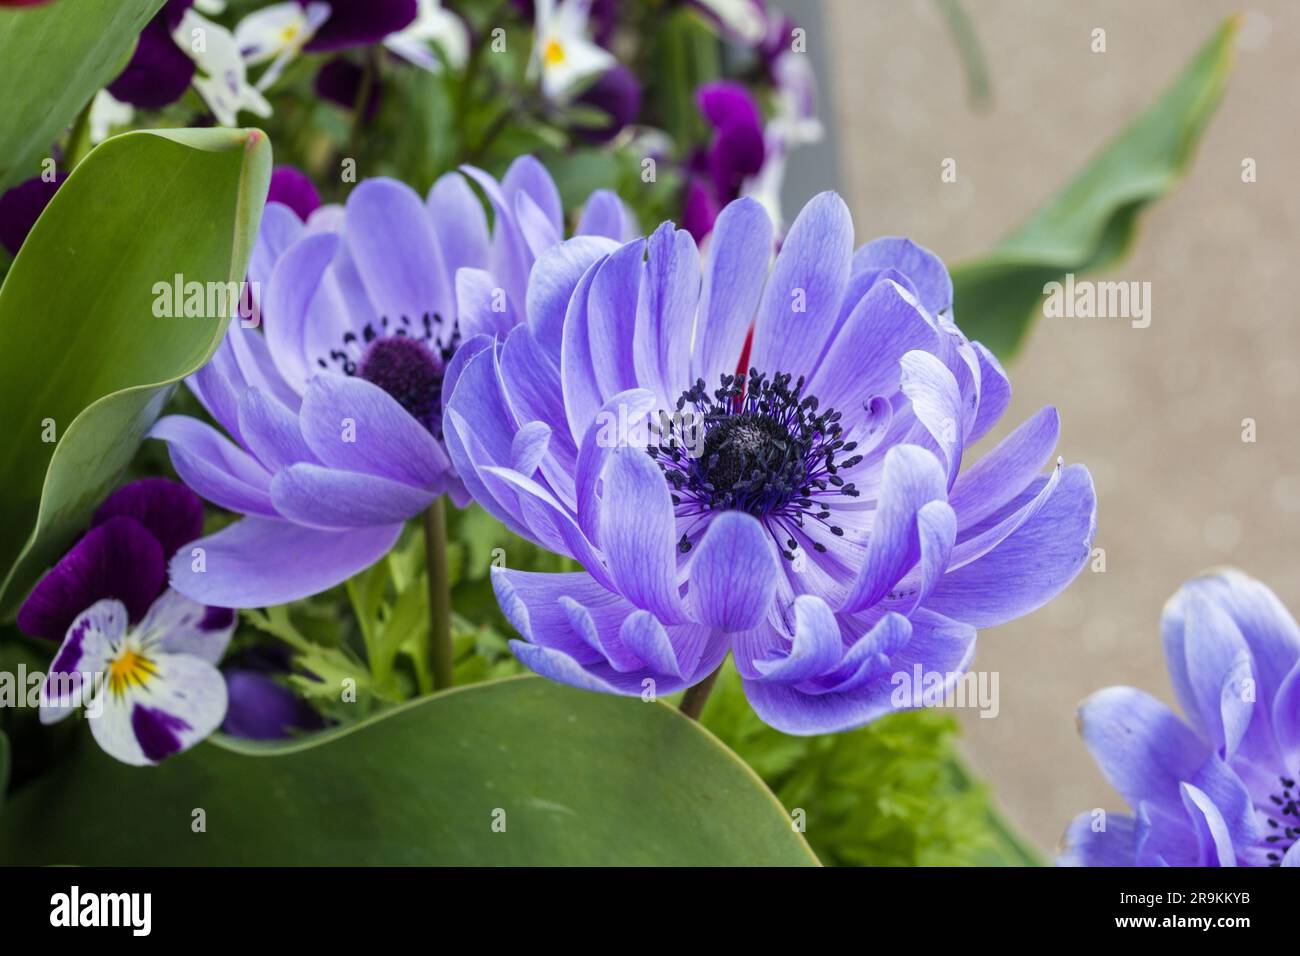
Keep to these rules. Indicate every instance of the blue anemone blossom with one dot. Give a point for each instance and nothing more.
(812, 515)
(1219, 788)
(334, 408)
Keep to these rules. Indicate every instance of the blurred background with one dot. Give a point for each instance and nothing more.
(1155, 413)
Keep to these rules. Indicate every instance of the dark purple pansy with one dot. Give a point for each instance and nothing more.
(339, 81)
(617, 94)
(21, 206)
(169, 511)
(261, 708)
(290, 186)
(123, 556)
(117, 559)
(159, 72)
(354, 23)
(735, 153)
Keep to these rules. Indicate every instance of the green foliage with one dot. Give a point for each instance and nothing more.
(1091, 223)
(893, 793)
(88, 267)
(575, 778)
(56, 58)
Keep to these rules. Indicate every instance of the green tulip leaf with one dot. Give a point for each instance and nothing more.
(1092, 222)
(85, 364)
(513, 772)
(56, 58)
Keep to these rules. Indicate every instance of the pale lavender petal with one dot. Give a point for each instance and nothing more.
(217, 469)
(735, 271)
(260, 562)
(320, 497)
(733, 573)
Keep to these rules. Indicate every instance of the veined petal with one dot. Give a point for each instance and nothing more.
(177, 625)
(260, 562)
(81, 659)
(733, 574)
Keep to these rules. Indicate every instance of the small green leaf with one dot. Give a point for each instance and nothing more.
(83, 359)
(1091, 223)
(516, 772)
(56, 58)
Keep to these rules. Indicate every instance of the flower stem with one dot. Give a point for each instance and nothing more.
(693, 702)
(435, 551)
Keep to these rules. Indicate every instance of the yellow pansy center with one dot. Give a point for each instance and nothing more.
(553, 52)
(289, 33)
(127, 669)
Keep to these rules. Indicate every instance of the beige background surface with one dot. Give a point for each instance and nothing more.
(1155, 413)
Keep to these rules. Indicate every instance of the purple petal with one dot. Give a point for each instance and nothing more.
(801, 302)
(1116, 845)
(117, 559)
(734, 273)
(392, 240)
(354, 23)
(733, 574)
(617, 93)
(922, 267)
(356, 426)
(1032, 565)
(320, 497)
(22, 205)
(261, 708)
(159, 71)
(340, 81)
(260, 562)
(1141, 746)
(665, 313)
(291, 187)
(169, 511)
(218, 470)
(912, 479)
(637, 534)
(552, 284)
(460, 223)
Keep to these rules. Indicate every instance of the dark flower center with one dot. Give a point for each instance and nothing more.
(407, 362)
(765, 450)
(1283, 822)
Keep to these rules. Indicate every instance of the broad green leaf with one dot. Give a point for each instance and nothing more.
(576, 778)
(56, 57)
(1091, 223)
(82, 355)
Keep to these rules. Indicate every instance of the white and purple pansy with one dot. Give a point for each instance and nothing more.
(334, 408)
(138, 656)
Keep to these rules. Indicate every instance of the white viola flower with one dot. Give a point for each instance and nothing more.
(278, 33)
(222, 79)
(149, 692)
(432, 25)
(563, 52)
(107, 114)
(210, 8)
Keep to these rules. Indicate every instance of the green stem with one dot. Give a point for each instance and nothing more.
(693, 702)
(435, 550)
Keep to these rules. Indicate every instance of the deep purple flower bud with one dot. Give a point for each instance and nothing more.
(261, 708)
(290, 185)
(21, 206)
(616, 93)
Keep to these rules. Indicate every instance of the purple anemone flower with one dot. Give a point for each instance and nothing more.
(811, 516)
(159, 71)
(734, 155)
(1219, 789)
(22, 205)
(335, 412)
(354, 23)
(140, 658)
